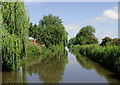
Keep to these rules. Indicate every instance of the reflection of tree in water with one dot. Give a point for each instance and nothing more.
(50, 69)
(83, 61)
(88, 64)
(17, 76)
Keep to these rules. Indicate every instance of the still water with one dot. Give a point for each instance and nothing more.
(63, 67)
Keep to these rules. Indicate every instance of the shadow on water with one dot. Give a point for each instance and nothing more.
(89, 64)
(49, 70)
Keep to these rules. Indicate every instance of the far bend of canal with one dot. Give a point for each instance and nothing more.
(65, 68)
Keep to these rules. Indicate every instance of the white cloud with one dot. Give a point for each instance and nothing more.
(103, 20)
(111, 13)
(108, 16)
(72, 29)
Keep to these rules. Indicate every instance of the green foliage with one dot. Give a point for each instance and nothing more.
(72, 41)
(109, 56)
(13, 32)
(105, 41)
(89, 64)
(110, 41)
(32, 51)
(35, 51)
(11, 51)
(84, 36)
(0, 28)
(44, 49)
(50, 31)
(115, 41)
(33, 30)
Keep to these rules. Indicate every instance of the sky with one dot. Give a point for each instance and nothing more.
(103, 16)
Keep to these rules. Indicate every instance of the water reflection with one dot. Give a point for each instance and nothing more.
(88, 64)
(53, 68)
(48, 70)
(18, 76)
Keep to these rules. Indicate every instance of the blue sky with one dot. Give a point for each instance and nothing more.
(101, 15)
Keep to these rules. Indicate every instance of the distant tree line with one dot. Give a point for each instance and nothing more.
(86, 37)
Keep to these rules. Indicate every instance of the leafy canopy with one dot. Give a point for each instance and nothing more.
(50, 31)
(85, 36)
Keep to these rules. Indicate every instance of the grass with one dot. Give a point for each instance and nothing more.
(33, 53)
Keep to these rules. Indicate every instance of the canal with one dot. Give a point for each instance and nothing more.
(63, 67)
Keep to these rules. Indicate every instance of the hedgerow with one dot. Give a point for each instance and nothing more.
(108, 55)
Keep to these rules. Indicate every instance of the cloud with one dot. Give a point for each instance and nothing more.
(108, 16)
(72, 27)
(103, 20)
(111, 13)
(72, 30)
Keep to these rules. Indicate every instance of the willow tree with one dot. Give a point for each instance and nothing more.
(15, 30)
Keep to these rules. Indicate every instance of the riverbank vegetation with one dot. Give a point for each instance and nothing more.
(109, 56)
(106, 53)
(90, 64)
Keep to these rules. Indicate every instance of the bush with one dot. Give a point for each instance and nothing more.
(109, 56)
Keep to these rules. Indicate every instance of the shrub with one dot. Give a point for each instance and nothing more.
(109, 56)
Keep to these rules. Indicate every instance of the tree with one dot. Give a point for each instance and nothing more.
(105, 41)
(86, 36)
(50, 20)
(51, 31)
(14, 32)
(72, 41)
(34, 31)
(115, 41)
(30, 29)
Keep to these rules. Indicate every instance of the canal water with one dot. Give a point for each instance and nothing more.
(63, 68)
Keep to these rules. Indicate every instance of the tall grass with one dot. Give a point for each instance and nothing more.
(109, 56)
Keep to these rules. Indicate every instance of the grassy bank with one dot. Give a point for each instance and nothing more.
(33, 52)
(36, 52)
(109, 56)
